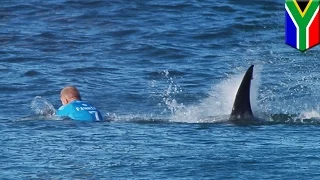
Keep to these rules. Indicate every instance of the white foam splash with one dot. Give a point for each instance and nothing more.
(215, 108)
(134, 118)
(43, 107)
(219, 104)
(310, 114)
(168, 96)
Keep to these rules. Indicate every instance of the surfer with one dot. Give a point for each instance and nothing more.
(76, 109)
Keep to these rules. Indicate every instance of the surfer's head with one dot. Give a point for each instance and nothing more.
(69, 94)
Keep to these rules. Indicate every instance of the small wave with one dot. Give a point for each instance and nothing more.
(31, 73)
(124, 32)
(169, 5)
(292, 119)
(136, 118)
(87, 69)
(20, 59)
(40, 117)
(87, 4)
(212, 35)
(47, 35)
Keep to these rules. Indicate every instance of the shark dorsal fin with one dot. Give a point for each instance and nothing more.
(241, 110)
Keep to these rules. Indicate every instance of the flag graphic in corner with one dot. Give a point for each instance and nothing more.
(302, 23)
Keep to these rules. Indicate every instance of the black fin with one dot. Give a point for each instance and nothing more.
(241, 111)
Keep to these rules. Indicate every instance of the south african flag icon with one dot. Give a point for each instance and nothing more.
(302, 23)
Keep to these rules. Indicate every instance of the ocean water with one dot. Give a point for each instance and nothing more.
(164, 74)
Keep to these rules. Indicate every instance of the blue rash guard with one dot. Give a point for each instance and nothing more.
(80, 110)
